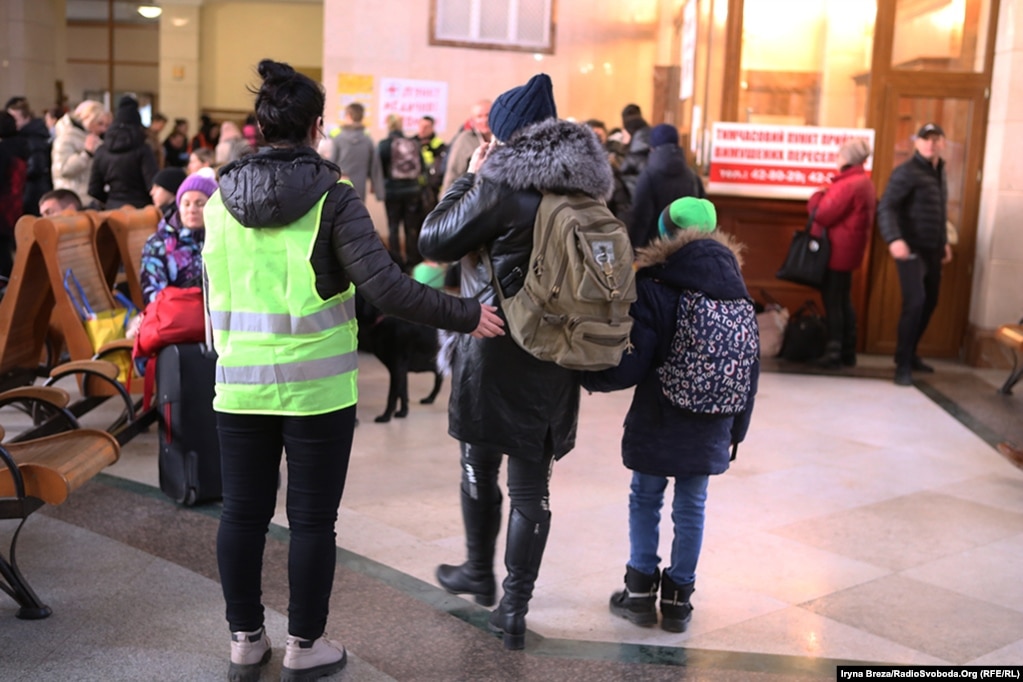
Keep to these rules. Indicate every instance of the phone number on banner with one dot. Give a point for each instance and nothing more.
(767, 175)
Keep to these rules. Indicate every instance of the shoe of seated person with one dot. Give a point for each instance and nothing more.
(250, 651)
(311, 659)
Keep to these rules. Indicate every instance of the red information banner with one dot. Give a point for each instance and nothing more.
(786, 157)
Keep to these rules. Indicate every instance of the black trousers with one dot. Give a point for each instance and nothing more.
(318, 449)
(404, 213)
(920, 280)
(528, 481)
(837, 296)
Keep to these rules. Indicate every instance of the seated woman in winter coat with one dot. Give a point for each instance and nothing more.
(173, 255)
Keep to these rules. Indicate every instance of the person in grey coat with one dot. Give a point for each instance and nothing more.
(352, 150)
(503, 400)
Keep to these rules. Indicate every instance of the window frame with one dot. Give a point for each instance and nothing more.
(479, 44)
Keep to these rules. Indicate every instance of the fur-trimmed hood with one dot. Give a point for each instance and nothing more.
(552, 156)
(690, 259)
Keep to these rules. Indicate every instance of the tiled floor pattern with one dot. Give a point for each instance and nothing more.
(860, 522)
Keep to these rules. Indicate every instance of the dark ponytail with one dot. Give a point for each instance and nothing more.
(288, 103)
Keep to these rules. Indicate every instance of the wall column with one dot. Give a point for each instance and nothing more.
(179, 62)
(32, 51)
(997, 296)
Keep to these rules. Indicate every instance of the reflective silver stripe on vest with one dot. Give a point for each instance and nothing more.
(307, 370)
(282, 323)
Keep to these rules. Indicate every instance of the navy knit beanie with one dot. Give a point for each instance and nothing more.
(663, 134)
(521, 106)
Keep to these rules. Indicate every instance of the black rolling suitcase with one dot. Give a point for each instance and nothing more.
(189, 448)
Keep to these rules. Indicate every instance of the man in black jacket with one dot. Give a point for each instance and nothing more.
(912, 216)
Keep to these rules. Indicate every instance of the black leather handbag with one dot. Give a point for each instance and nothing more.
(805, 334)
(807, 259)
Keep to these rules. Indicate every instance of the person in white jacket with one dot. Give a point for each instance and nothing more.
(77, 136)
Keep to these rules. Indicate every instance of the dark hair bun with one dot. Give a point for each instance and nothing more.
(270, 70)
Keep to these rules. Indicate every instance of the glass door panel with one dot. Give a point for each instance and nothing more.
(941, 35)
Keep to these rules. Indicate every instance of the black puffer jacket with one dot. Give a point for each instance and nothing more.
(501, 397)
(276, 187)
(659, 438)
(914, 205)
(665, 178)
(123, 168)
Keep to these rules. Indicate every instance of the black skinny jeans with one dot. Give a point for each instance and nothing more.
(837, 296)
(404, 211)
(528, 481)
(920, 280)
(318, 449)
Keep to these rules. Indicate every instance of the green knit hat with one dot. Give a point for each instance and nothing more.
(688, 213)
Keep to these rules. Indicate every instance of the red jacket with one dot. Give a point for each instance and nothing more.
(846, 208)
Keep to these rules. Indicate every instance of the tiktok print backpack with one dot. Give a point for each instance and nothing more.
(712, 356)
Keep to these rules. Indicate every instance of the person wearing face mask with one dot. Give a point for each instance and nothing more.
(912, 218)
(173, 255)
(77, 136)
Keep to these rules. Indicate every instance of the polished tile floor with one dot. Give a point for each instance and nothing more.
(861, 522)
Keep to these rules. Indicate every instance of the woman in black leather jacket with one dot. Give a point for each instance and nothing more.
(503, 400)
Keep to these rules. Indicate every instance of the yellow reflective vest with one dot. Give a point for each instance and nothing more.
(281, 349)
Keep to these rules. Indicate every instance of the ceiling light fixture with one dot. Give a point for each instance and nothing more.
(150, 11)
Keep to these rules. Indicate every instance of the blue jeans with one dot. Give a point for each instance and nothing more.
(645, 500)
(318, 449)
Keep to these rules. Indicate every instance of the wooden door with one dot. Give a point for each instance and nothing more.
(960, 108)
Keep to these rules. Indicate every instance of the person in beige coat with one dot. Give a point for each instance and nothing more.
(77, 136)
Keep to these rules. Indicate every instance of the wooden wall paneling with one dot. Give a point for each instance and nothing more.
(733, 62)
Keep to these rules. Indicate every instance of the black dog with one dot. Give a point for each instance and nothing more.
(402, 347)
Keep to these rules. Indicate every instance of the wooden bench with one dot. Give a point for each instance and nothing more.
(130, 229)
(44, 471)
(25, 312)
(30, 302)
(1011, 335)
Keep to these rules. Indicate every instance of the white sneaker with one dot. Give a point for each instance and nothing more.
(249, 651)
(311, 659)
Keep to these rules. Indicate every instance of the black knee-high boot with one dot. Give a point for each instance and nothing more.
(482, 521)
(526, 542)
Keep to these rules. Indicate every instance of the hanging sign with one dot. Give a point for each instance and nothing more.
(413, 99)
(755, 155)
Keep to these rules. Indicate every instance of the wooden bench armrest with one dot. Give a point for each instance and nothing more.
(48, 394)
(107, 369)
(115, 345)
(1011, 335)
(54, 466)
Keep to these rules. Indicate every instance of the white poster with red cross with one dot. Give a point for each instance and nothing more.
(795, 158)
(413, 99)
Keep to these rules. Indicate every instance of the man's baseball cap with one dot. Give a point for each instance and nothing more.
(930, 129)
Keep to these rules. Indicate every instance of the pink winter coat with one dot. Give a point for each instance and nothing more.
(846, 208)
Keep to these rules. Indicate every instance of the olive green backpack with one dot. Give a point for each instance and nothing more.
(573, 307)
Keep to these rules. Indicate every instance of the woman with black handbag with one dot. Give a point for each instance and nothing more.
(845, 208)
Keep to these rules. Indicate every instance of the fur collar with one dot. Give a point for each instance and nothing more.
(659, 250)
(552, 156)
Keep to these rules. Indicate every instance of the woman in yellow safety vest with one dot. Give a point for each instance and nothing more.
(286, 246)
